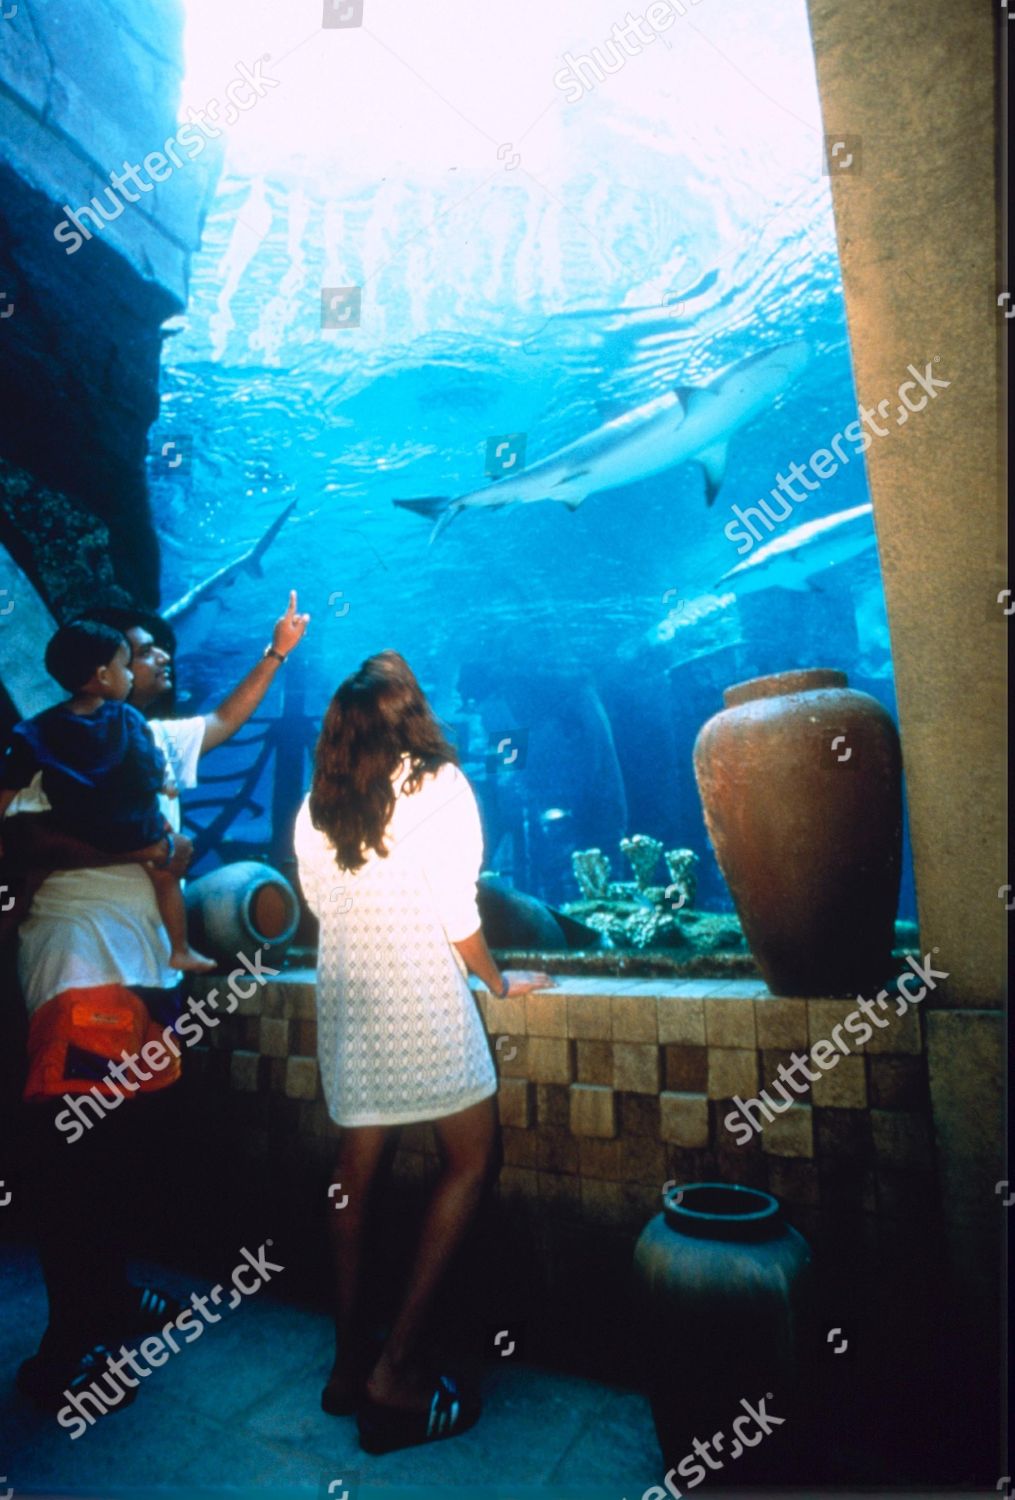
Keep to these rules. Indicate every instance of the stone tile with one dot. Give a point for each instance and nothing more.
(681, 1019)
(248, 1072)
(273, 1039)
(732, 1070)
(770, 1065)
(844, 1086)
(638, 1114)
(300, 1000)
(898, 1082)
(633, 1018)
(636, 1067)
(790, 1134)
(843, 1133)
(824, 1015)
(511, 1055)
(593, 1110)
(781, 1024)
(683, 1119)
(553, 1105)
(514, 1102)
(903, 1034)
(518, 1185)
(594, 1062)
(545, 1014)
(560, 1194)
(794, 1180)
(600, 1158)
(685, 1069)
(503, 1017)
(549, 1059)
(643, 1160)
(729, 1023)
(902, 1138)
(556, 1150)
(521, 1147)
(722, 1137)
(618, 1440)
(589, 1016)
(746, 1168)
(304, 1038)
(302, 1079)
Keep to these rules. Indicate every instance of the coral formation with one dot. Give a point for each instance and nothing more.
(643, 853)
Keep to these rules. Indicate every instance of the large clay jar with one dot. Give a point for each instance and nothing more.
(240, 908)
(801, 782)
(721, 1293)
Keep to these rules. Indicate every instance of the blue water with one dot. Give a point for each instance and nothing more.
(637, 254)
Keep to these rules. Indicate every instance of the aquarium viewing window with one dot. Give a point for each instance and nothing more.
(517, 338)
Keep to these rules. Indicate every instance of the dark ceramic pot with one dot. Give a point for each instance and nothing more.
(721, 1289)
(240, 908)
(801, 784)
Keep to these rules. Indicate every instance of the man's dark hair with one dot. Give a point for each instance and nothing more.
(79, 649)
(127, 617)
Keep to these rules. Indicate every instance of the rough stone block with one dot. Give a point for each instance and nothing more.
(636, 1067)
(732, 1070)
(518, 1185)
(546, 1014)
(794, 1180)
(503, 1017)
(898, 1082)
(274, 1037)
(681, 1019)
(730, 1023)
(549, 1059)
(514, 1102)
(246, 1073)
(683, 1119)
(642, 1160)
(903, 1033)
(604, 1203)
(511, 1055)
(791, 1134)
(686, 1069)
(560, 1194)
(842, 1087)
(781, 1024)
(588, 1016)
(843, 1133)
(600, 1158)
(302, 1079)
(593, 1110)
(553, 1105)
(902, 1139)
(824, 1015)
(770, 1065)
(638, 1114)
(594, 1062)
(521, 1147)
(556, 1150)
(633, 1018)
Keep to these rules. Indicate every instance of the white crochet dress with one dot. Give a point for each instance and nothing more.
(399, 1035)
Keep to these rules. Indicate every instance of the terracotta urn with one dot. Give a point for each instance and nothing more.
(801, 783)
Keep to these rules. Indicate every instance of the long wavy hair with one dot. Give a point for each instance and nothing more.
(377, 716)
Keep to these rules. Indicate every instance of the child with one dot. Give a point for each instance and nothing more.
(101, 769)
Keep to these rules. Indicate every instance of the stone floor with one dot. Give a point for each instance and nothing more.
(236, 1413)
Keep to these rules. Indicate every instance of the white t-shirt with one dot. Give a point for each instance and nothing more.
(102, 926)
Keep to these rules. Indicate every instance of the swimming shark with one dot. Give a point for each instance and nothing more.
(689, 423)
(223, 578)
(790, 561)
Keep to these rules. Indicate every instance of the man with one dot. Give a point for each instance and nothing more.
(92, 964)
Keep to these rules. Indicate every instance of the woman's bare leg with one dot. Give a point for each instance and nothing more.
(359, 1155)
(468, 1142)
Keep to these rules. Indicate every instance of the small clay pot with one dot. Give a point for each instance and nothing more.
(801, 783)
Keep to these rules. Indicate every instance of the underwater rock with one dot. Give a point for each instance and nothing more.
(592, 872)
(683, 886)
(643, 853)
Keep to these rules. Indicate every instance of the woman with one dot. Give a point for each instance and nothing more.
(389, 847)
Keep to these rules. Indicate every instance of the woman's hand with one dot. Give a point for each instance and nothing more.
(523, 981)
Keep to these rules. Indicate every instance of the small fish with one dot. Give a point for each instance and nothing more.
(684, 425)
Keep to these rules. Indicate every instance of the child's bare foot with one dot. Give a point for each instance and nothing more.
(191, 962)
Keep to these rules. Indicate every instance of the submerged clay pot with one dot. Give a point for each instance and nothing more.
(801, 782)
(721, 1299)
(241, 908)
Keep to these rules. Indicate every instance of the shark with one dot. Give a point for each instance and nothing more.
(791, 561)
(683, 425)
(223, 578)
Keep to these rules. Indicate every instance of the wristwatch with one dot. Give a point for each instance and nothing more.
(502, 993)
(278, 655)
